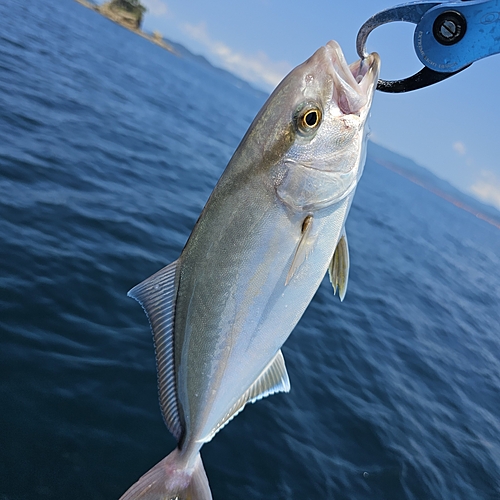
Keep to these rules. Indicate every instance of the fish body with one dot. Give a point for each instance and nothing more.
(272, 227)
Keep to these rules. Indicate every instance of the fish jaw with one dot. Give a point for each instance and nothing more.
(355, 84)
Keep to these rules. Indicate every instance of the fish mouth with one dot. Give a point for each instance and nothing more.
(354, 84)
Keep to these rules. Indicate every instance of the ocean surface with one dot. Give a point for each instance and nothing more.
(109, 148)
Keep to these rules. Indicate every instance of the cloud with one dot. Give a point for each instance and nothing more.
(459, 147)
(487, 188)
(156, 8)
(256, 68)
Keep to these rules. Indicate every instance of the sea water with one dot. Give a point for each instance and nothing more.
(109, 148)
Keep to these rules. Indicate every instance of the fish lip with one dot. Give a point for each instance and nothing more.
(354, 84)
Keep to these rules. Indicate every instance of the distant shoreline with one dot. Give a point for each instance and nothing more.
(435, 190)
(156, 39)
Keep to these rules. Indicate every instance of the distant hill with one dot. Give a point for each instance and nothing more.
(423, 177)
(238, 82)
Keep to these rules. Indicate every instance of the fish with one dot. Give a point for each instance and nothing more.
(271, 229)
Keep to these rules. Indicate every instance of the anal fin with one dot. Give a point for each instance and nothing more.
(339, 266)
(273, 379)
(157, 296)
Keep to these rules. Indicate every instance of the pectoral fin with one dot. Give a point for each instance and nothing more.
(273, 379)
(303, 248)
(339, 266)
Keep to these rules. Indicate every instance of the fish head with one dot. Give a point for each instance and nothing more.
(319, 112)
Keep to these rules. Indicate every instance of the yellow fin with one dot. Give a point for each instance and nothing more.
(339, 266)
(303, 248)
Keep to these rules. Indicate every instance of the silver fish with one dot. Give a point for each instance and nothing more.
(272, 227)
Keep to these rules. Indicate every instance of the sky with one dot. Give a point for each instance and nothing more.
(451, 128)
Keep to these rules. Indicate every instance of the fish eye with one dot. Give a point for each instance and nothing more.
(311, 118)
(308, 117)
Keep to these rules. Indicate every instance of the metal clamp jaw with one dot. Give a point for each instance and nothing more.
(449, 37)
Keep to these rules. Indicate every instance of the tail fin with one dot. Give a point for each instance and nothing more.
(170, 480)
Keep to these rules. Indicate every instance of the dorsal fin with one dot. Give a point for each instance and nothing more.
(157, 296)
(273, 379)
(339, 266)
